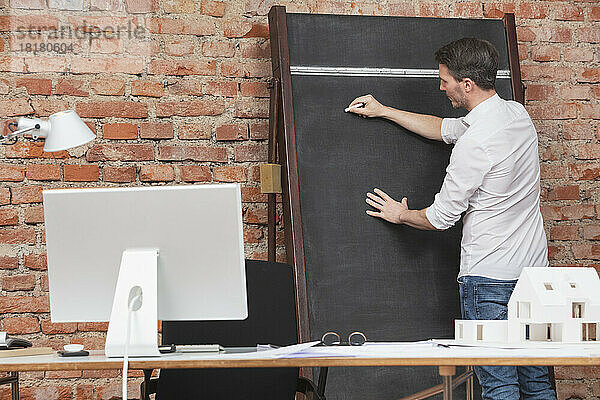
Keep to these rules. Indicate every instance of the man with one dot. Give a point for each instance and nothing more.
(494, 178)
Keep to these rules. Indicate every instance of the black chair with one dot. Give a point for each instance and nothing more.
(271, 320)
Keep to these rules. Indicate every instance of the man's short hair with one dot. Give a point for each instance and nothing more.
(472, 58)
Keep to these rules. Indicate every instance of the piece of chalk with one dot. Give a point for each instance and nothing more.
(357, 105)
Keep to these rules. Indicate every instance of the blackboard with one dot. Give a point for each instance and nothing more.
(357, 273)
(394, 42)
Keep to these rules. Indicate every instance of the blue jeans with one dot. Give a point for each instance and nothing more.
(485, 298)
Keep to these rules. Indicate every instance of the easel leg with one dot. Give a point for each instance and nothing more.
(447, 372)
(15, 386)
(322, 381)
(470, 383)
(272, 202)
(145, 386)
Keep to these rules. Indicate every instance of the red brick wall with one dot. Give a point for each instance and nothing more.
(187, 102)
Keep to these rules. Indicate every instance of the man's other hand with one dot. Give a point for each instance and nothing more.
(372, 108)
(388, 208)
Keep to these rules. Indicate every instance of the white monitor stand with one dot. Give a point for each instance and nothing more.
(165, 253)
(128, 326)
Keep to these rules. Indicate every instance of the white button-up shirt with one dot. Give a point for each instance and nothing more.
(494, 178)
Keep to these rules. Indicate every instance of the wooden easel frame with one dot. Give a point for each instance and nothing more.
(518, 89)
(282, 142)
(282, 137)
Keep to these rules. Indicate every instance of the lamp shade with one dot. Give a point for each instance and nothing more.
(66, 131)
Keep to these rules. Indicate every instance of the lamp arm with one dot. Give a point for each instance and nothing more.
(11, 138)
(21, 131)
(26, 125)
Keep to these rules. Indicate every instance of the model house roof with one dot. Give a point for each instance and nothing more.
(558, 286)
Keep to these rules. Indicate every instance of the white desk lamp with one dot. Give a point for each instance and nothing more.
(62, 131)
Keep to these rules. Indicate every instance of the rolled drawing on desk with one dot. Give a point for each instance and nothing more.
(280, 352)
(549, 306)
(287, 350)
(265, 347)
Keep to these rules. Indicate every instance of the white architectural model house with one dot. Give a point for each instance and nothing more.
(548, 305)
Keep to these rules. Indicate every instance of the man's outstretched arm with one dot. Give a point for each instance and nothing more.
(428, 126)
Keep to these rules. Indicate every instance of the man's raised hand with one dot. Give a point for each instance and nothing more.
(371, 107)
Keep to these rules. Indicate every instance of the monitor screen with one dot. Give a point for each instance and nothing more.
(197, 230)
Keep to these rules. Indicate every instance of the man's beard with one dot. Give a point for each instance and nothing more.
(458, 101)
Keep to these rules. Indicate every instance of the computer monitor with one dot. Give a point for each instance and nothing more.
(181, 246)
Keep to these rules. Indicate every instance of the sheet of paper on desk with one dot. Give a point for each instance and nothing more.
(430, 349)
(379, 349)
(284, 351)
(567, 351)
(425, 349)
(309, 349)
(333, 351)
(593, 346)
(540, 349)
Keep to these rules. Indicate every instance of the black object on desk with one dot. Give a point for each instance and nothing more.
(165, 349)
(81, 353)
(15, 343)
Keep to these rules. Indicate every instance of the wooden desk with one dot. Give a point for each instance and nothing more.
(445, 359)
(97, 360)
